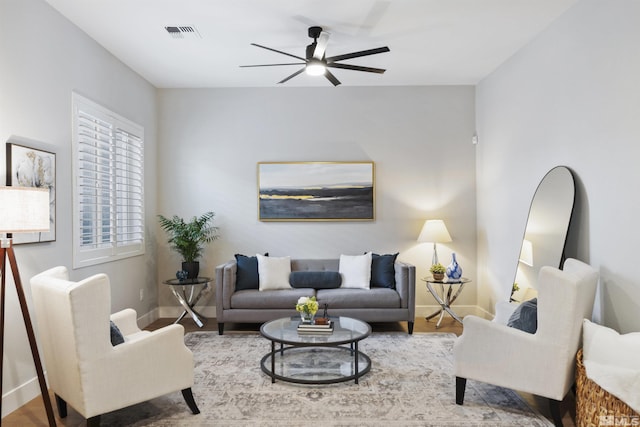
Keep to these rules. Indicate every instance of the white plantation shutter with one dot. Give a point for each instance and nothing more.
(129, 188)
(108, 171)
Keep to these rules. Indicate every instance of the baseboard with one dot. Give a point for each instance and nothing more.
(460, 310)
(148, 318)
(21, 395)
(175, 311)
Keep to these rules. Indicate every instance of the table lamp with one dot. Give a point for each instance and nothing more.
(22, 210)
(434, 231)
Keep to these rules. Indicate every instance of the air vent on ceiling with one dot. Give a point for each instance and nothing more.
(183, 32)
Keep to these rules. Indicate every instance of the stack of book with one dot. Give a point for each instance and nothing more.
(313, 328)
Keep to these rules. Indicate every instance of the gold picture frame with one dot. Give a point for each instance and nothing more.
(316, 191)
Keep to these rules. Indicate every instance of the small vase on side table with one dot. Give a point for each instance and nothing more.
(454, 271)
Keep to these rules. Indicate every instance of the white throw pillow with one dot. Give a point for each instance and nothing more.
(273, 272)
(607, 346)
(611, 361)
(355, 271)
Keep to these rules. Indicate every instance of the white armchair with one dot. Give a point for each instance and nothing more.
(84, 369)
(542, 363)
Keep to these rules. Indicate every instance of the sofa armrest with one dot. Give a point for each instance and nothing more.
(225, 287)
(406, 286)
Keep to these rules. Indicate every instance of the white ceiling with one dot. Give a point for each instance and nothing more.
(432, 42)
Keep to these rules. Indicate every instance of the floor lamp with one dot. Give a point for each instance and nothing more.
(22, 210)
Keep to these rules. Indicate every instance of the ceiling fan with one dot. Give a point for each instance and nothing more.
(316, 64)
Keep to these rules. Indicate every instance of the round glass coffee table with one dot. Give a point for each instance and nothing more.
(322, 358)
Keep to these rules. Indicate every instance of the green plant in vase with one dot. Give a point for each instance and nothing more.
(307, 307)
(437, 271)
(189, 238)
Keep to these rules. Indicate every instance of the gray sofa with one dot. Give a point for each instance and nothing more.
(377, 304)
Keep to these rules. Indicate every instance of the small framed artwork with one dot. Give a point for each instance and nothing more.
(316, 191)
(32, 167)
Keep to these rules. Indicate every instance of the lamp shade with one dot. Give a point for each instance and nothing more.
(526, 253)
(434, 231)
(24, 209)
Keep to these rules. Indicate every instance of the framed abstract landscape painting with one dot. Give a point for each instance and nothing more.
(316, 191)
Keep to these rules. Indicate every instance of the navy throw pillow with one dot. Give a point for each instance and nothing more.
(116, 335)
(315, 279)
(525, 317)
(383, 272)
(247, 272)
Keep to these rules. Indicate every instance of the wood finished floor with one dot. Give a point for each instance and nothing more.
(33, 413)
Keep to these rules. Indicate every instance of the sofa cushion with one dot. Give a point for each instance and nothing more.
(358, 298)
(273, 272)
(276, 299)
(247, 272)
(355, 271)
(383, 272)
(315, 279)
(525, 317)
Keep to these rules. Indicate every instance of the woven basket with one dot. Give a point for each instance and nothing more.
(593, 402)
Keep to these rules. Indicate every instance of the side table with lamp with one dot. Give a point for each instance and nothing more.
(435, 231)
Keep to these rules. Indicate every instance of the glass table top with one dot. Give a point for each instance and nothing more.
(345, 330)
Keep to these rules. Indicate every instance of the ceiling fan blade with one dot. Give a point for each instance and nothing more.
(271, 65)
(321, 45)
(331, 78)
(357, 68)
(358, 54)
(278, 51)
(291, 76)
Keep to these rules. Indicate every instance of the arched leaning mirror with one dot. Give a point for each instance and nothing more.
(546, 230)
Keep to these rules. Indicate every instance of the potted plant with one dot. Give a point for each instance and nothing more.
(189, 238)
(307, 307)
(438, 270)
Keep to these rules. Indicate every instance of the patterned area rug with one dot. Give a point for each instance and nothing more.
(411, 383)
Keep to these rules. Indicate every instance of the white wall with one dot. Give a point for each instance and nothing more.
(419, 138)
(43, 58)
(571, 97)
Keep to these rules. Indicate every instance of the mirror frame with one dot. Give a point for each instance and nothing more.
(527, 274)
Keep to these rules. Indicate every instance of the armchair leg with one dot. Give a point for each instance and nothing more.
(554, 406)
(188, 397)
(220, 328)
(410, 327)
(93, 421)
(62, 406)
(461, 384)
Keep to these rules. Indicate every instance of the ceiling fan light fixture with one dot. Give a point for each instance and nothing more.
(315, 63)
(315, 68)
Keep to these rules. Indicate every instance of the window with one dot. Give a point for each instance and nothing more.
(108, 179)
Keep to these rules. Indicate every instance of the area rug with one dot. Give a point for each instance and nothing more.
(411, 383)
